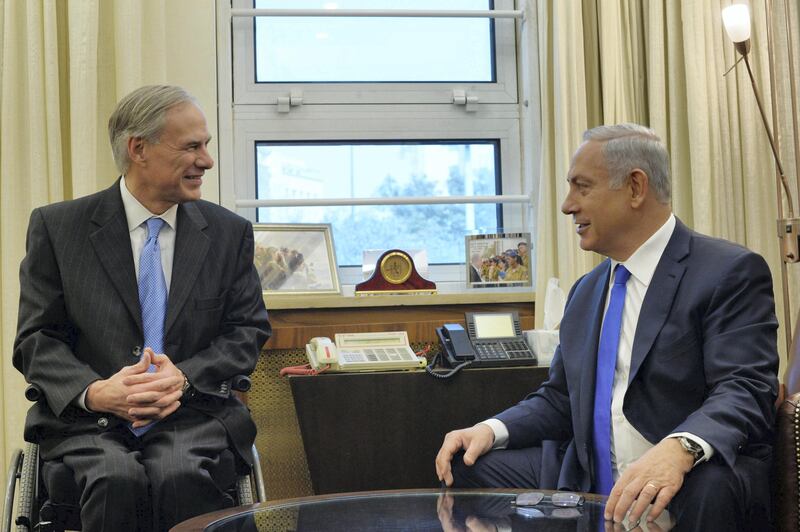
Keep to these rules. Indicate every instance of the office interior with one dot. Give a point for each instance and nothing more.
(560, 67)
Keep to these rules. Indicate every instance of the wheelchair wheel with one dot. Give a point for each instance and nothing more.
(29, 477)
(11, 484)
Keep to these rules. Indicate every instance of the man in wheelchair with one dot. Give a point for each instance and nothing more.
(138, 305)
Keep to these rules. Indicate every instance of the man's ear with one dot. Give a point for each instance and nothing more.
(136, 150)
(639, 185)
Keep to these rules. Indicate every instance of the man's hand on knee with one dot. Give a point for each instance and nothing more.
(654, 479)
(476, 441)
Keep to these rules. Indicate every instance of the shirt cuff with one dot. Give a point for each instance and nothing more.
(500, 433)
(708, 451)
(80, 401)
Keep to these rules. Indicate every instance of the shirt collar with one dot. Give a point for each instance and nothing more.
(137, 214)
(642, 264)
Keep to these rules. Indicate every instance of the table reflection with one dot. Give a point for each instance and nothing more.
(426, 510)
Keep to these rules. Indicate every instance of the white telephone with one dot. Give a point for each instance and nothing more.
(363, 352)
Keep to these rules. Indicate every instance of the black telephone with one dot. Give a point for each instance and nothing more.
(490, 339)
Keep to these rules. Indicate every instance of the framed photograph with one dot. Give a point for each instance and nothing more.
(500, 259)
(296, 258)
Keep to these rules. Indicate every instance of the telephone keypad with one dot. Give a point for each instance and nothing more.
(510, 352)
(374, 354)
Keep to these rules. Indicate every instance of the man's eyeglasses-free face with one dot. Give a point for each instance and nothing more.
(562, 499)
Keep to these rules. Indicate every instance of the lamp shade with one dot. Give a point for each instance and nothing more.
(736, 18)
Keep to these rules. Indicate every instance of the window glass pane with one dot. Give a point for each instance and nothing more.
(374, 49)
(358, 170)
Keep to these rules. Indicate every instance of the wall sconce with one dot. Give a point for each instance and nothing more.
(736, 19)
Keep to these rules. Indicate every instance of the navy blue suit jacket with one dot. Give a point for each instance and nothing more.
(704, 361)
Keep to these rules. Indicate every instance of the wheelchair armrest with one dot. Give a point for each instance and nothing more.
(33, 393)
(241, 383)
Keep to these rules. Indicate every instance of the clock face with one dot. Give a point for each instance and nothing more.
(396, 267)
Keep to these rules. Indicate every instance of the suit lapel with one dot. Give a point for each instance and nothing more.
(191, 247)
(112, 246)
(660, 295)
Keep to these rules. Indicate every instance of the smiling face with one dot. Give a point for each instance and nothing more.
(605, 218)
(171, 171)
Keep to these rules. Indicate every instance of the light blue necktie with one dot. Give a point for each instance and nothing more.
(606, 363)
(152, 296)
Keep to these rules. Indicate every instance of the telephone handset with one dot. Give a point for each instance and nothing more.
(490, 339)
(321, 351)
(455, 343)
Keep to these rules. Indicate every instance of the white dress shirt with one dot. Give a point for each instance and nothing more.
(627, 444)
(137, 214)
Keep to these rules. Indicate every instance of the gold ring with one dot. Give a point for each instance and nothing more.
(651, 484)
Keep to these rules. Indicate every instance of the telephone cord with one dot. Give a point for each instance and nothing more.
(304, 369)
(446, 375)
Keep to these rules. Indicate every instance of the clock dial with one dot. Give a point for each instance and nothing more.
(396, 267)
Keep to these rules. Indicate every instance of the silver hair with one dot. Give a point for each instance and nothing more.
(630, 146)
(142, 113)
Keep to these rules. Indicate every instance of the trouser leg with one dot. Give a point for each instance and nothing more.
(183, 463)
(503, 468)
(717, 497)
(111, 482)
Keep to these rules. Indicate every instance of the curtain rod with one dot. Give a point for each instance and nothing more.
(426, 13)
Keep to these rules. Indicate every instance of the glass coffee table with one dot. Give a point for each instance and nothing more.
(420, 510)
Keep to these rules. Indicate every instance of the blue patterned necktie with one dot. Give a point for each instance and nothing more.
(606, 363)
(152, 296)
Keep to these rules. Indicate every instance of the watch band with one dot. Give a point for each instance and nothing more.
(186, 384)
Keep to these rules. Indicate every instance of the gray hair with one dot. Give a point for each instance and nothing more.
(629, 146)
(142, 113)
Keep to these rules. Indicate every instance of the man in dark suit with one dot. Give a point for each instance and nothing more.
(143, 423)
(693, 370)
(475, 268)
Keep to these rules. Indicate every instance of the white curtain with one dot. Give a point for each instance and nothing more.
(63, 65)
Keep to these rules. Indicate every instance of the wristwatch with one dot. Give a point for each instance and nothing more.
(186, 384)
(692, 447)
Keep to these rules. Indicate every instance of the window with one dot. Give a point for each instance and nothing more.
(310, 49)
(382, 169)
(329, 114)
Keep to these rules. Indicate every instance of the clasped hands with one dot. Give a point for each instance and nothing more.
(137, 395)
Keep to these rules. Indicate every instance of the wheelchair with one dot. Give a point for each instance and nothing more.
(37, 512)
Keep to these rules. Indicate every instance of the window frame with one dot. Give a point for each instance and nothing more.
(248, 116)
(247, 91)
(258, 124)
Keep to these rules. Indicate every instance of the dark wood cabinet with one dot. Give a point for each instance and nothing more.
(368, 431)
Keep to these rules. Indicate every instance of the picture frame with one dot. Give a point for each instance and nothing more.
(498, 260)
(296, 259)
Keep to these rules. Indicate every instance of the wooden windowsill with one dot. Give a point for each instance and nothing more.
(348, 300)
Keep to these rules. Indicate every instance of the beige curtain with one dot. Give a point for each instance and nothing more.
(63, 65)
(662, 64)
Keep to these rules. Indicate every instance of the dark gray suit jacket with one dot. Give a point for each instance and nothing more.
(80, 321)
(704, 361)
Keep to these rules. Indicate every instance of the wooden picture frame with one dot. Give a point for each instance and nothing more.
(296, 259)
